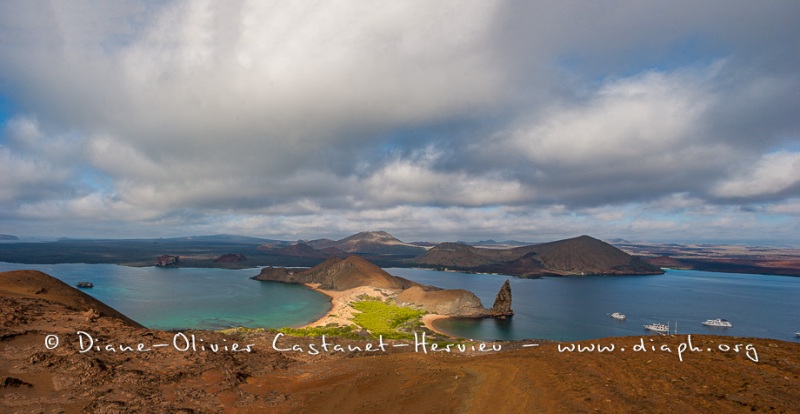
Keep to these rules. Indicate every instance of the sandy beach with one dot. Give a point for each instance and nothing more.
(430, 318)
(341, 312)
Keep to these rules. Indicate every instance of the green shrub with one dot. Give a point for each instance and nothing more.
(393, 322)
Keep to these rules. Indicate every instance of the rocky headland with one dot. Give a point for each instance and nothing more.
(340, 277)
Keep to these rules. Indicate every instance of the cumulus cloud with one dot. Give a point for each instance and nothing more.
(775, 174)
(457, 118)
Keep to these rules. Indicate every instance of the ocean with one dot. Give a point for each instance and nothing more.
(578, 308)
(191, 298)
(566, 309)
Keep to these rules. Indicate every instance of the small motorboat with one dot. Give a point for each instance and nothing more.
(85, 284)
(719, 323)
(657, 327)
(620, 316)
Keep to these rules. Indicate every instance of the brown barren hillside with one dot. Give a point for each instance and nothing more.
(369, 242)
(278, 374)
(33, 284)
(449, 302)
(338, 274)
(582, 255)
(588, 255)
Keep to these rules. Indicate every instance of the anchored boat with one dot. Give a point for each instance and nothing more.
(657, 327)
(719, 323)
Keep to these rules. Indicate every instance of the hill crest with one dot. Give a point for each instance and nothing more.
(369, 242)
(583, 255)
(39, 285)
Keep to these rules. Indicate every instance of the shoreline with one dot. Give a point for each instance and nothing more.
(429, 319)
(341, 312)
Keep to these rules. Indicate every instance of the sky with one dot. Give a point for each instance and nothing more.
(450, 120)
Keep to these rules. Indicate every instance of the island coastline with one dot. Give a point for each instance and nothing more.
(341, 311)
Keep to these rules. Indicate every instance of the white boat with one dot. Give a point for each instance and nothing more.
(620, 316)
(797, 334)
(657, 327)
(720, 323)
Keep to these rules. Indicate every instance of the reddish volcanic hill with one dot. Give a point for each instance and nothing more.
(33, 284)
(370, 242)
(582, 255)
(338, 274)
(587, 255)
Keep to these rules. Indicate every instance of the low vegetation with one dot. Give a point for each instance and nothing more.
(393, 322)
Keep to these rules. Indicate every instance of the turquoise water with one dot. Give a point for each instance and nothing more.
(565, 309)
(182, 298)
(577, 308)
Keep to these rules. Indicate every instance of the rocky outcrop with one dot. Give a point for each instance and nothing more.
(282, 274)
(449, 302)
(502, 303)
(231, 258)
(166, 261)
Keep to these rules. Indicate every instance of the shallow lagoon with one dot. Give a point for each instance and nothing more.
(181, 298)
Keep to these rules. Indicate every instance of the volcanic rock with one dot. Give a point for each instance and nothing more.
(502, 303)
(166, 261)
(450, 302)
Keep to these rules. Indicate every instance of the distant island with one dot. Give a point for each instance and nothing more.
(8, 237)
(577, 256)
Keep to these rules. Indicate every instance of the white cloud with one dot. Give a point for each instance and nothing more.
(453, 117)
(773, 174)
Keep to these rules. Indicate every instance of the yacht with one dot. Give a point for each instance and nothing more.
(657, 327)
(797, 334)
(620, 316)
(721, 323)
